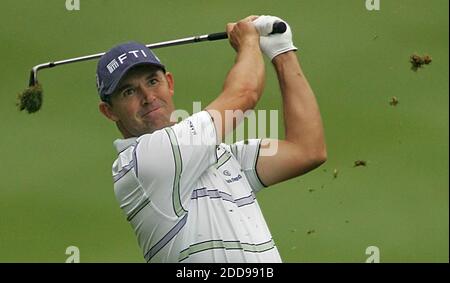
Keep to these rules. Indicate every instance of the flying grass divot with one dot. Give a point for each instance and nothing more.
(358, 163)
(394, 101)
(30, 99)
(417, 62)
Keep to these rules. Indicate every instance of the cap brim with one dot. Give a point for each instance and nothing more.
(110, 90)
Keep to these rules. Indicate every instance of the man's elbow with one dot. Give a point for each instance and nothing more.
(249, 97)
(318, 157)
(321, 159)
(309, 162)
(322, 156)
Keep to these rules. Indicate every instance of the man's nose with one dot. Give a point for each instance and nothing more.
(147, 94)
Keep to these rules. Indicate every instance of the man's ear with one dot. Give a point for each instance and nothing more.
(107, 111)
(170, 81)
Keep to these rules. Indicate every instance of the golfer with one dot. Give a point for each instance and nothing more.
(188, 196)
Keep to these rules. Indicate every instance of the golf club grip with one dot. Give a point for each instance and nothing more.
(279, 27)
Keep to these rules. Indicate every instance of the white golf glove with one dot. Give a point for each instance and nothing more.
(273, 44)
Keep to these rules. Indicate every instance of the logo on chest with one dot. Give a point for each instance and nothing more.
(232, 179)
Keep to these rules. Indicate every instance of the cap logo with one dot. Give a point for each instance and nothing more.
(113, 65)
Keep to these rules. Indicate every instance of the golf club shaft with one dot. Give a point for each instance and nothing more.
(193, 39)
(277, 28)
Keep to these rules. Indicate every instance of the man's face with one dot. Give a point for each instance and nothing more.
(142, 102)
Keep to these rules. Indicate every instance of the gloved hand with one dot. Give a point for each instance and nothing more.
(273, 44)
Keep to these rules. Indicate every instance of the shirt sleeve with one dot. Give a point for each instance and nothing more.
(247, 153)
(171, 160)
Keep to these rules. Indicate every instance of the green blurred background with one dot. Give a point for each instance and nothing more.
(55, 165)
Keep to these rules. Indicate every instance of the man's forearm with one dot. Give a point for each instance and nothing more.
(241, 91)
(247, 75)
(302, 121)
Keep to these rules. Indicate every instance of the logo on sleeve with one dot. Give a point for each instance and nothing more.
(192, 128)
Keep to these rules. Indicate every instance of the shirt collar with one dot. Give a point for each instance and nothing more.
(122, 144)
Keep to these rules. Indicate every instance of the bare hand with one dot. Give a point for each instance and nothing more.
(243, 33)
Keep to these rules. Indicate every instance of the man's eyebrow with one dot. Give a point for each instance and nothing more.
(152, 75)
(122, 87)
(127, 85)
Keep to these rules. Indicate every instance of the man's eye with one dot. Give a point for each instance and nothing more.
(152, 81)
(128, 91)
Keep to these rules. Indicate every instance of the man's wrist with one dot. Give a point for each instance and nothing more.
(284, 57)
(251, 44)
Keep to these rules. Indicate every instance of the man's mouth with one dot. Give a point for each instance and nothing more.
(150, 111)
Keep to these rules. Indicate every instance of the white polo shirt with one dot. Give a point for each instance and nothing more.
(191, 200)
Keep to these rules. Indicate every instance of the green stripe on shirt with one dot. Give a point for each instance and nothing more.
(176, 199)
(223, 159)
(226, 245)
